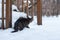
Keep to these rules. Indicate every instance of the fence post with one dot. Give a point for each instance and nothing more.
(19, 4)
(10, 25)
(39, 12)
(27, 7)
(2, 14)
(22, 6)
(32, 11)
(7, 13)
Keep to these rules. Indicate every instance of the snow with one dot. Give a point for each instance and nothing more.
(0, 1)
(14, 7)
(49, 30)
(26, 2)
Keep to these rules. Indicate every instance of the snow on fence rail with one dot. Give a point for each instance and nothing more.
(9, 12)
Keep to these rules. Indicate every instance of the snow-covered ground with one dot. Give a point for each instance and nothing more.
(0, 1)
(49, 30)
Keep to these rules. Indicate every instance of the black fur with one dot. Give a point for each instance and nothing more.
(0, 27)
(21, 23)
(15, 10)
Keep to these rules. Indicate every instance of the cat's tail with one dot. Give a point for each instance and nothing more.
(13, 31)
(27, 27)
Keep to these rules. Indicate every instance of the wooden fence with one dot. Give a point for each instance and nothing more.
(9, 12)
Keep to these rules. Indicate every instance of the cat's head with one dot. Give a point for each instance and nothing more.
(30, 18)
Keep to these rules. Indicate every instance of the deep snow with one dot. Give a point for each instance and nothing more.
(49, 30)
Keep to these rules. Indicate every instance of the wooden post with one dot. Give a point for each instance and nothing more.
(22, 6)
(39, 12)
(2, 14)
(7, 13)
(10, 25)
(32, 10)
(19, 2)
(27, 7)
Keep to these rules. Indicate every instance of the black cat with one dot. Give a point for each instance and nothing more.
(21, 23)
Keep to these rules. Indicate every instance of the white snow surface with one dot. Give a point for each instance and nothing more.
(0, 1)
(49, 30)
